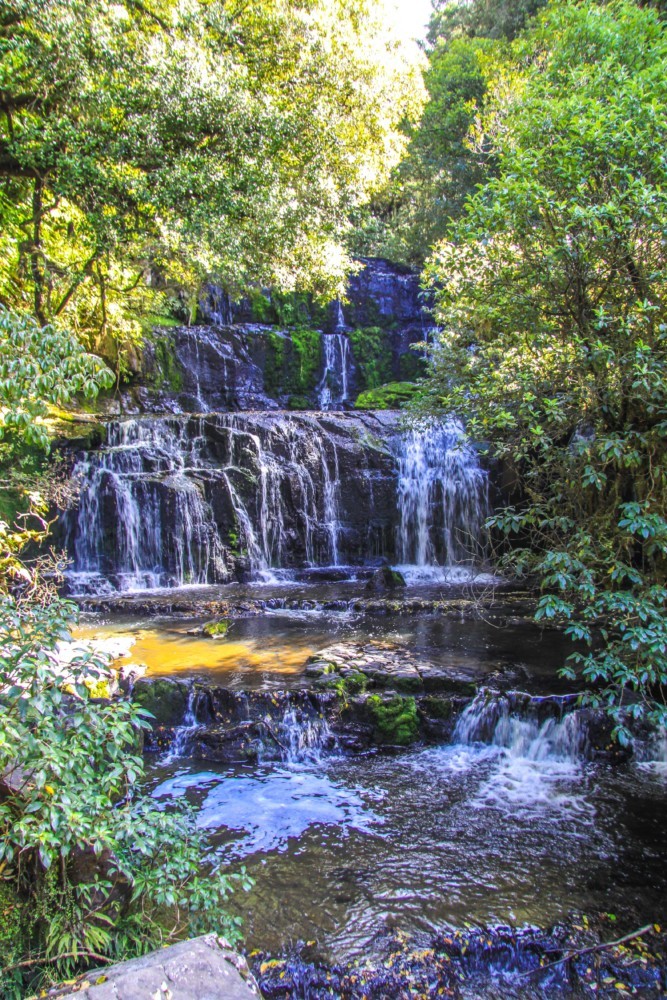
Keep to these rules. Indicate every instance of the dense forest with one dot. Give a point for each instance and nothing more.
(235, 240)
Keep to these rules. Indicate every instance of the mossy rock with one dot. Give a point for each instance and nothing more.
(166, 700)
(217, 629)
(385, 579)
(395, 720)
(407, 683)
(355, 682)
(391, 396)
(167, 373)
(372, 356)
(437, 708)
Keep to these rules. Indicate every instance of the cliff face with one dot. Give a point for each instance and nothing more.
(206, 499)
(266, 353)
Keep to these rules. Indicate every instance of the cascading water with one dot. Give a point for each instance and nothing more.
(442, 497)
(184, 733)
(534, 729)
(535, 748)
(300, 737)
(334, 388)
(176, 501)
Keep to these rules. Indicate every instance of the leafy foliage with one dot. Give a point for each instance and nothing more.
(551, 290)
(145, 147)
(41, 366)
(100, 870)
(442, 168)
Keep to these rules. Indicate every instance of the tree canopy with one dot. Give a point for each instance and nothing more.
(551, 292)
(145, 147)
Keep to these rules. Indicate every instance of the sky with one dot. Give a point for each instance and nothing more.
(411, 16)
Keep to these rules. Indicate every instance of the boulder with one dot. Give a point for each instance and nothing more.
(201, 969)
(385, 578)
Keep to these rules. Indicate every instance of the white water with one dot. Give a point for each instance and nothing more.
(146, 514)
(537, 757)
(333, 391)
(442, 499)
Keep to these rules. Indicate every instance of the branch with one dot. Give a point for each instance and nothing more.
(56, 958)
(589, 951)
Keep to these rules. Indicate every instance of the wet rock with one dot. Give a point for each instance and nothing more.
(385, 579)
(165, 699)
(199, 969)
(388, 664)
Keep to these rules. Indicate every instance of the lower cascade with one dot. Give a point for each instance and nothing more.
(532, 728)
(209, 498)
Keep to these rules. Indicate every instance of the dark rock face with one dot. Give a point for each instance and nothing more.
(206, 499)
(240, 356)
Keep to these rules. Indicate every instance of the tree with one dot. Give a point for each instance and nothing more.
(551, 291)
(145, 147)
(430, 186)
(480, 18)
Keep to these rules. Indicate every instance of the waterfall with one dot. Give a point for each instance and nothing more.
(183, 734)
(185, 500)
(442, 496)
(334, 387)
(299, 736)
(527, 728)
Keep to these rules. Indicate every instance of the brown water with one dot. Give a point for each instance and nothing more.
(271, 650)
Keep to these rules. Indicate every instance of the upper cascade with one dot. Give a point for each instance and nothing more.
(216, 477)
(270, 351)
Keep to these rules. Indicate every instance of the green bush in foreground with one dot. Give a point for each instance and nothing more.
(92, 868)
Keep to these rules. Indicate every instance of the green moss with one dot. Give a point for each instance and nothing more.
(372, 356)
(274, 363)
(293, 364)
(298, 403)
(11, 931)
(261, 307)
(307, 347)
(411, 366)
(216, 630)
(167, 374)
(439, 708)
(395, 720)
(392, 396)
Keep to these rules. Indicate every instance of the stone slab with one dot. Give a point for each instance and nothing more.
(204, 968)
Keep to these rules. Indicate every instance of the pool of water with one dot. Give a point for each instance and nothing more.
(520, 829)
(272, 649)
(344, 849)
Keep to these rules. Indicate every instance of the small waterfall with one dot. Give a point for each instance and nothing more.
(525, 727)
(334, 387)
(183, 734)
(442, 497)
(217, 305)
(299, 736)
